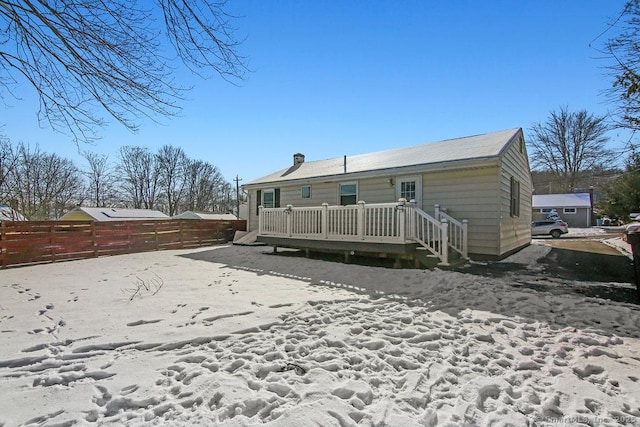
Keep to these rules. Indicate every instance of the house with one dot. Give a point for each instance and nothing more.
(7, 213)
(576, 209)
(205, 215)
(81, 213)
(472, 193)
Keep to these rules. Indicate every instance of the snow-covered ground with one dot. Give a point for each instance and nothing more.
(237, 336)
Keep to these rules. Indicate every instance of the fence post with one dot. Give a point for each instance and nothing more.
(52, 246)
(3, 243)
(94, 239)
(260, 219)
(289, 210)
(465, 238)
(324, 220)
(444, 242)
(360, 219)
(155, 235)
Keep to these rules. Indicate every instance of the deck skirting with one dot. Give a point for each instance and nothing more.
(371, 248)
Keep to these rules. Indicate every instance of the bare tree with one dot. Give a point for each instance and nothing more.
(7, 163)
(43, 185)
(202, 182)
(624, 50)
(139, 176)
(569, 143)
(101, 176)
(172, 164)
(91, 59)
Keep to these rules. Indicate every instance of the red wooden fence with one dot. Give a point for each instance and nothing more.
(29, 242)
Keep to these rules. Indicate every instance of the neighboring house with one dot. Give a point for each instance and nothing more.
(205, 215)
(7, 213)
(576, 209)
(111, 214)
(484, 179)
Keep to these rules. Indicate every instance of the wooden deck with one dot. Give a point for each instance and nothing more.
(386, 229)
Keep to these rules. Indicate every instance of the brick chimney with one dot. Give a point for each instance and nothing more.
(298, 158)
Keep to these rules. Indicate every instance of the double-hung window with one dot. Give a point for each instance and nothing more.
(306, 192)
(269, 198)
(515, 197)
(348, 193)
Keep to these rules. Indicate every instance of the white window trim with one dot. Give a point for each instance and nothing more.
(302, 191)
(565, 211)
(268, 190)
(545, 210)
(418, 180)
(340, 184)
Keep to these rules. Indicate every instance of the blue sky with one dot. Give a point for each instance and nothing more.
(334, 78)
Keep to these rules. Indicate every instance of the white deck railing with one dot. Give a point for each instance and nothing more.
(458, 231)
(398, 223)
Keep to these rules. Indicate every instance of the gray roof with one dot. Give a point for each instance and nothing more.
(205, 215)
(116, 214)
(9, 214)
(453, 150)
(570, 200)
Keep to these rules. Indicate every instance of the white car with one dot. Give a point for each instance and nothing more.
(554, 229)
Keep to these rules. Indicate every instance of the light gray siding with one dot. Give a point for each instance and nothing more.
(376, 190)
(467, 194)
(515, 232)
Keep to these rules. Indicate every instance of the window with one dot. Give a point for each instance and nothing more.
(348, 193)
(515, 197)
(268, 198)
(570, 210)
(306, 191)
(408, 190)
(546, 210)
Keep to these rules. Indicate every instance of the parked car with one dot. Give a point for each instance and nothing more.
(610, 221)
(554, 229)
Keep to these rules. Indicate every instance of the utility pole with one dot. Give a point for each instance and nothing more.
(237, 180)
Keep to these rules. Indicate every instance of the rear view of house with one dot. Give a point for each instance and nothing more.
(479, 186)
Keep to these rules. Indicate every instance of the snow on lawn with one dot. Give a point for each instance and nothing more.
(236, 336)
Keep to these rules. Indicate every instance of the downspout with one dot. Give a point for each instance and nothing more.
(345, 164)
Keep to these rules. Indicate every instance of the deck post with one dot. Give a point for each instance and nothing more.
(465, 238)
(324, 220)
(288, 210)
(444, 242)
(360, 224)
(260, 219)
(436, 212)
(401, 208)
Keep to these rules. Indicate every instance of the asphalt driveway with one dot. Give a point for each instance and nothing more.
(609, 273)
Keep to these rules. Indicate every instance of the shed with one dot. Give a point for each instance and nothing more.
(574, 208)
(483, 179)
(205, 215)
(81, 213)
